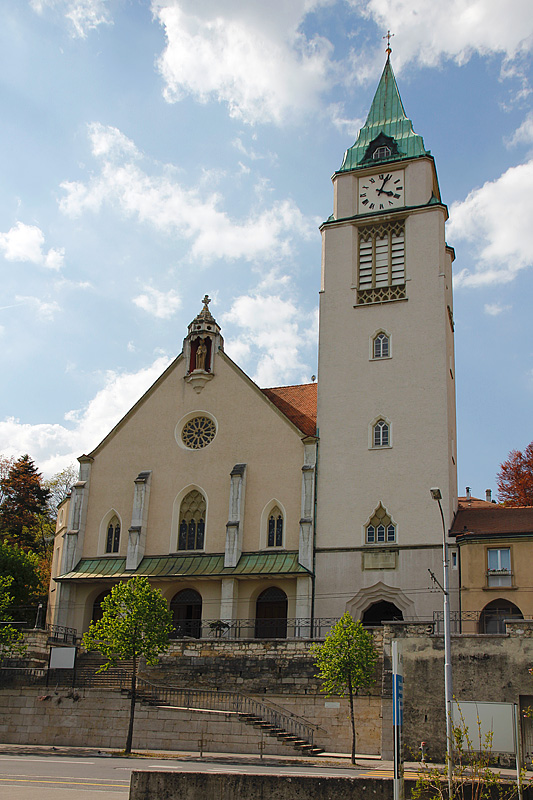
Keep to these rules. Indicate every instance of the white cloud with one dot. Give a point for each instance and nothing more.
(523, 134)
(161, 304)
(44, 309)
(275, 332)
(429, 32)
(83, 15)
(174, 209)
(55, 446)
(25, 243)
(496, 219)
(346, 125)
(495, 309)
(251, 56)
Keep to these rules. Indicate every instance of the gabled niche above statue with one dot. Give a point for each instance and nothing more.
(200, 347)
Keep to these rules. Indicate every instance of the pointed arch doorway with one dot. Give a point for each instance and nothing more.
(380, 612)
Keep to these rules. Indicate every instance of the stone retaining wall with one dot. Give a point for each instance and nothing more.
(99, 718)
(251, 666)
(204, 786)
(485, 668)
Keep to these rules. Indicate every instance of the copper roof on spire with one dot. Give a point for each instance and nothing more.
(386, 116)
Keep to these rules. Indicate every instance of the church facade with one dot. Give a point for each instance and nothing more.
(269, 512)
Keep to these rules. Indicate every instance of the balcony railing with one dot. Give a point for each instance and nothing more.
(296, 628)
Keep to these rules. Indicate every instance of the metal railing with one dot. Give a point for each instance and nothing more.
(213, 700)
(28, 616)
(489, 621)
(59, 634)
(295, 628)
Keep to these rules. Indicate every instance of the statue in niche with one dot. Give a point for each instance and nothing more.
(201, 353)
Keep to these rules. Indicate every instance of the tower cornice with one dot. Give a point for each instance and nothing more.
(385, 216)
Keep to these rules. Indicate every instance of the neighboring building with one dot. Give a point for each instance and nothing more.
(207, 485)
(495, 545)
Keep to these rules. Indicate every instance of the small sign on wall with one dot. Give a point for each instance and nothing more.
(332, 704)
(62, 658)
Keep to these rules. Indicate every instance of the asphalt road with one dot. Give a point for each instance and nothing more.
(48, 776)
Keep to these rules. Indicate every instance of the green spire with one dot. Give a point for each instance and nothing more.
(386, 126)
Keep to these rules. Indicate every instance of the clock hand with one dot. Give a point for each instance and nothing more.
(384, 191)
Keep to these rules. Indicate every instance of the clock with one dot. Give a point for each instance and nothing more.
(381, 192)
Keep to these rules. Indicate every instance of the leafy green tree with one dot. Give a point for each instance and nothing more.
(11, 640)
(346, 662)
(135, 622)
(24, 500)
(25, 570)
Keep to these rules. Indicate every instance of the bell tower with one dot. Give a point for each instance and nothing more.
(386, 390)
(200, 347)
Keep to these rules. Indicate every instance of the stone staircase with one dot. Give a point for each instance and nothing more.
(87, 674)
(277, 723)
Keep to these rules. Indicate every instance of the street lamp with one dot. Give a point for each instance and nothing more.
(448, 691)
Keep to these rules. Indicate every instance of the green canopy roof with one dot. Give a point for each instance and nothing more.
(200, 566)
(387, 117)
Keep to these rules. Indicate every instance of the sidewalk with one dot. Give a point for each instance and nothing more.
(369, 763)
(329, 759)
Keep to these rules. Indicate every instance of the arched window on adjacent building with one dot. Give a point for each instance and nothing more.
(275, 528)
(493, 616)
(271, 614)
(191, 533)
(381, 346)
(380, 529)
(112, 543)
(381, 434)
(186, 608)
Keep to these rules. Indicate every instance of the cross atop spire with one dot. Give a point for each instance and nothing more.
(388, 37)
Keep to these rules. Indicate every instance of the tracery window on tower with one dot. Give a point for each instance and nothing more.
(380, 434)
(191, 531)
(381, 345)
(381, 263)
(380, 529)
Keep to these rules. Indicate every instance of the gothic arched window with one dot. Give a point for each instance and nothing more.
(112, 543)
(380, 528)
(191, 532)
(275, 528)
(381, 348)
(380, 435)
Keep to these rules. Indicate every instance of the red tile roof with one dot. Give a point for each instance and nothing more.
(474, 502)
(481, 518)
(298, 403)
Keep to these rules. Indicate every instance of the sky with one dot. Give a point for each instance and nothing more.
(153, 152)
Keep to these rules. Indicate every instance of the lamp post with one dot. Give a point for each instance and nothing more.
(448, 690)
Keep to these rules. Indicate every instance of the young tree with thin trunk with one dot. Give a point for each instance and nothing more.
(136, 622)
(515, 478)
(346, 662)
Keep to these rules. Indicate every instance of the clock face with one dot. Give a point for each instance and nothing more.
(381, 192)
